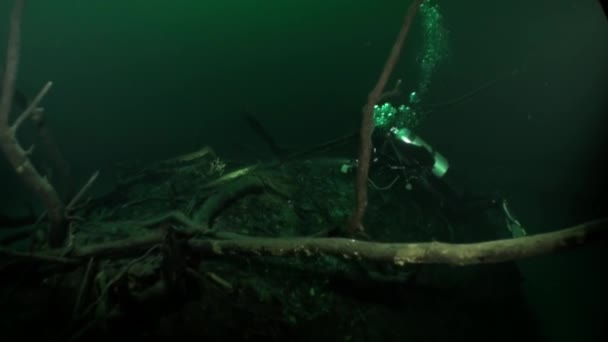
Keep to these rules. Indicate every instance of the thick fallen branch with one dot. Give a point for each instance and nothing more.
(414, 253)
(397, 253)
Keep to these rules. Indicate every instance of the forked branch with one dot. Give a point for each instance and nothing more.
(17, 156)
(367, 124)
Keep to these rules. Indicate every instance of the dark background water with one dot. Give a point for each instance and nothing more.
(150, 79)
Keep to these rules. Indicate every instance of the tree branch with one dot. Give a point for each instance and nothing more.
(414, 253)
(495, 251)
(12, 62)
(16, 155)
(367, 124)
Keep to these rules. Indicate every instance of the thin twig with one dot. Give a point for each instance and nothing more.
(83, 287)
(84, 189)
(18, 157)
(33, 107)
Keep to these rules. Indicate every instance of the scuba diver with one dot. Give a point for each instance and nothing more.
(400, 155)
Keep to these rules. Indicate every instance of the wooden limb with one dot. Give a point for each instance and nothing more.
(367, 124)
(229, 177)
(228, 193)
(398, 253)
(220, 281)
(120, 248)
(16, 155)
(82, 191)
(32, 108)
(84, 289)
(414, 253)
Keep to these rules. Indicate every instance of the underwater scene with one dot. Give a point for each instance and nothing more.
(336, 170)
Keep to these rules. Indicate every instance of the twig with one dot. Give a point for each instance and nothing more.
(17, 156)
(32, 107)
(80, 193)
(84, 286)
(220, 281)
(401, 254)
(228, 193)
(12, 62)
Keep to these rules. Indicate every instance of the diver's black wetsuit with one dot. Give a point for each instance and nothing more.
(415, 164)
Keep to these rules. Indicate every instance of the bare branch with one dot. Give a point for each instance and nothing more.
(82, 191)
(397, 253)
(12, 62)
(32, 107)
(414, 253)
(17, 156)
